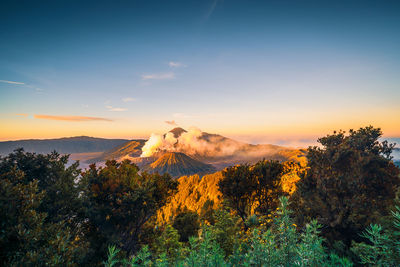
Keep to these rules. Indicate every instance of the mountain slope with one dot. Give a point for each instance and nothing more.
(67, 145)
(178, 164)
(131, 148)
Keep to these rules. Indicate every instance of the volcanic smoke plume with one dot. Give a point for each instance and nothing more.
(191, 142)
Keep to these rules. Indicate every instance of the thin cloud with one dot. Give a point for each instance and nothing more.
(174, 64)
(69, 118)
(37, 90)
(128, 99)
(210, 11)
(171, 123)
(159, 76)
(22, 114)
(11, 82)
(111, 108)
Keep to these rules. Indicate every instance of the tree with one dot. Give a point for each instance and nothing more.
(268, 175)
(225, 230)
(207, 212)
(252, 188)
(27, 237)
(187, 223)
(120, 200)
(61, 199)
(168, 243)
(350, 183)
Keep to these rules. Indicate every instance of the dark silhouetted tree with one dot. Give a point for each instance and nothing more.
(187, 223)
(252, 188)
(350, 183)
(27, 237)
(120, 200)
(61, 200)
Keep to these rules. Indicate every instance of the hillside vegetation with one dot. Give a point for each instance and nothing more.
(341, 209)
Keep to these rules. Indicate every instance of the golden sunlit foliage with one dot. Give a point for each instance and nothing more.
(194, 191)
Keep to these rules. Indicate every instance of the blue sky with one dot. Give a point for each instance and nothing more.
(255, 70)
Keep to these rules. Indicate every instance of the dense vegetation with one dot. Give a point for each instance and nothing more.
(339, 210)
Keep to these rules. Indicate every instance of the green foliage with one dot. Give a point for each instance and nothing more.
(383, 246)
(26, 237)
(187, 223)
(112, 257)
(119, 201)
(280, 245)
(61, 199)
(168, 244)
(225, 231)
(142, 259)
(350, 183)
(204, 251)
(310, 249)
(39, 211)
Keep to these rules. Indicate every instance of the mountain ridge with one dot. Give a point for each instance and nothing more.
(63, 145)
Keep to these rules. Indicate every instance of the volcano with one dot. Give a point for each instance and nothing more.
(178, 164)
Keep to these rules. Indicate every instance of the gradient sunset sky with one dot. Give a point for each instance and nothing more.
(258, 71)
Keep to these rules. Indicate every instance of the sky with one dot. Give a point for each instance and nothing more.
(259, 71)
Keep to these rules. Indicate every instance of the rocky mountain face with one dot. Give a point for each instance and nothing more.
(178, 164)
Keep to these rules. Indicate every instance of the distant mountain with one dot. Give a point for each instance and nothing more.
(221, 151)
(206, 148)
(130, 149)
(67, 145)
(178, 164)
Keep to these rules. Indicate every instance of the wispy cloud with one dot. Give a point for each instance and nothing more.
(21, 114)
(69, 118)
(171, 123)
(12, 82)
(159, 76)
(210, 11)
(174, 64)
(128, 99)
(37, 90)
(111, 108)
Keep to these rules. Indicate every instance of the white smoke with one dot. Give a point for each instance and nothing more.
(193, 142)
(158, 143)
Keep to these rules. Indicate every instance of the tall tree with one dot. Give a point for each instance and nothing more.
(350, 183)
(27, 237)
(187, 223)
(120, 200)
(252, 188)
(61, 200)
